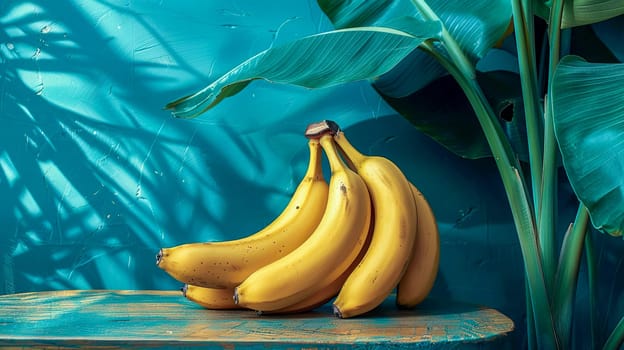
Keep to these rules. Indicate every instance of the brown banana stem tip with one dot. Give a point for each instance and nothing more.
(337, 312)
(316, 130)
(184, 289)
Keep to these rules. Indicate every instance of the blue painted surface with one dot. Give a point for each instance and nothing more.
(95, 177)
(161, 320)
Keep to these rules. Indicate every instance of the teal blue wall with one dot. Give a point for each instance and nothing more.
(95, 176)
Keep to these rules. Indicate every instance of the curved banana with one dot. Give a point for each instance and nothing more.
(226, 264)
(328, 252)
(422, 270)
(210, 298)
(329, 288)
(393, 234)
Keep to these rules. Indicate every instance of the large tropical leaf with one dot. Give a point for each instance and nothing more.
(475, 24)
(441, 111)
(418, 87)
(317, 61)
(588, 111)
(581, 12)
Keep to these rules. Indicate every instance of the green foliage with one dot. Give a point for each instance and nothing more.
(581, 12)
(589, 124)
(317, 61)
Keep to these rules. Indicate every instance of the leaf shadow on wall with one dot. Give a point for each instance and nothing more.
(96, 181)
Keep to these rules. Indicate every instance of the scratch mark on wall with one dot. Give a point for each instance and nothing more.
(379, 106)
(102, 16)
(38, 88)
(229, 26)
(155, 220)
(59, 208)
(234, 13)
(277, 31)
(114, 147)
(83, 260)
(46, 29)
(146, 47)
(464, 215)
(8, 269)
(139, 191)
(185, 152)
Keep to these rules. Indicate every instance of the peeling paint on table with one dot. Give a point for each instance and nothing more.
(114, 319)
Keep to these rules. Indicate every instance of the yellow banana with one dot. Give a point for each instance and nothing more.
(329, 251)
(393, 234)
(329, 288)
(226, 264)
(422, 270)
(210, 298)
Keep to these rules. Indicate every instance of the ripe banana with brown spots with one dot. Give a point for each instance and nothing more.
(226, 264)
(393, 234)
(327, 254)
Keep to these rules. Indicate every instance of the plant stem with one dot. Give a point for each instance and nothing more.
(523, 25)
(517, 196)
(567, 274)
(454, 50)
(547, 211)
(590, 258)
(616, 338)
(530, 326)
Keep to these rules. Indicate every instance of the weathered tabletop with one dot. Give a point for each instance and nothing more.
(161, 319)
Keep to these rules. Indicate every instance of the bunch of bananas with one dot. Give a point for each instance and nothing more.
(354, 240)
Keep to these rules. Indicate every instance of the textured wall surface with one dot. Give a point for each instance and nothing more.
(95, 176)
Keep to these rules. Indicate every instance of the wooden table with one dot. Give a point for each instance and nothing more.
(113, 319)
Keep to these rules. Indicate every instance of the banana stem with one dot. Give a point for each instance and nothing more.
(567, 274)
(523, 23)
(518, 199)
(353, 155)
(530, 325)
(335, 162)
(454, 50)
(547, 212)
(315, 160)
(616, 338)
(590, 258)
(523, 27)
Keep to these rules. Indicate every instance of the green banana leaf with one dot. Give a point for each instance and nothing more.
(581, 12)
(316, 61)
(475, 24)
(415, 71)
(588, 112)
(455, 125)
(419, 87)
